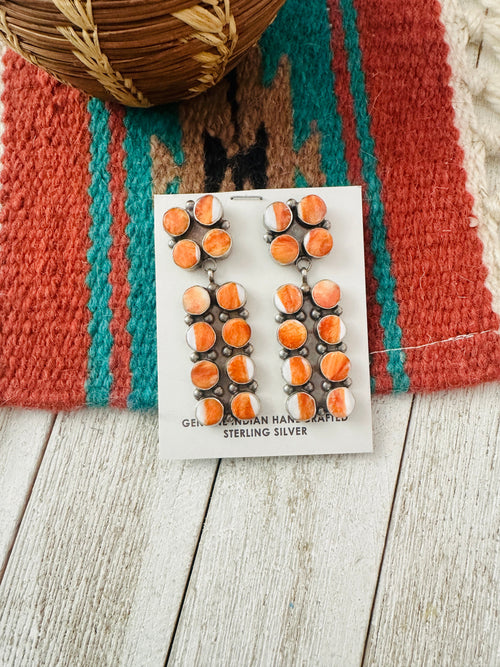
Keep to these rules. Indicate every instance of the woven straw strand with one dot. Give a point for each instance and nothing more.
(215, 26)
(13, 42)
(87, 49)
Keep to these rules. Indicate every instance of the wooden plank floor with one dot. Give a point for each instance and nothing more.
(115, 558)
(110, 557)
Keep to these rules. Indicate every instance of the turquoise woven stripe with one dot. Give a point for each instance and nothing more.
(141, 125)
(301, 30)
(382, 259)
(99, 379)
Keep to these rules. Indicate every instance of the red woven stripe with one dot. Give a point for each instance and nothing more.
(437, 264)
(44, 241)
(118, 277)
(345, 107)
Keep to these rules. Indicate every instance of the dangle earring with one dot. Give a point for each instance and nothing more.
(218, 333)
(310, 332)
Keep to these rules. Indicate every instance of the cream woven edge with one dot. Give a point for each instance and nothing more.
(486, 213)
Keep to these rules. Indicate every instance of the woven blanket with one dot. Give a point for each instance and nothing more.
(336, 92)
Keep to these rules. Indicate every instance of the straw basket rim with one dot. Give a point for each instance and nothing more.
(136, 52)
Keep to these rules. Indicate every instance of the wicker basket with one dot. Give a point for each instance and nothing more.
(138, 52)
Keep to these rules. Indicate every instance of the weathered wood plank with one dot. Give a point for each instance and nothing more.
(438, 600)
(289, 557)
(23, 435)
(99, 566)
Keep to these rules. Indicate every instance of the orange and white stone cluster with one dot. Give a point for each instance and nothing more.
(218, 333)
(198, 232)
(315, 367)
(302, 230)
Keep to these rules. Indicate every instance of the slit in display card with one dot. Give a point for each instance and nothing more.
(261, 323)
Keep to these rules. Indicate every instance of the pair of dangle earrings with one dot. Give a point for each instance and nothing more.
(218, 332)
(311, 331)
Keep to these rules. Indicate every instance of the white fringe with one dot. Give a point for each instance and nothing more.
(464, 24)
(483, 23)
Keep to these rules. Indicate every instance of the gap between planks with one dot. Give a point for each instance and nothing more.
(100, 563)
(289, 557)
(25, 435)
(389, 522)
(438, 600)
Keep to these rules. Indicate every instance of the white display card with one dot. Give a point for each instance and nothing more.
(273, 432)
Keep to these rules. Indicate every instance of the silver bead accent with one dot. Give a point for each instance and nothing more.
(326, 386)
(209, 318)
(300, 316)
(347, 382)
(212, 287)
(338, 310)
(288, 389)
(309, 387)
(321, 412)
(268, 238)
(227, 351)
(218, 391)
(188, 320)
(233, 388)
(279, 319)
(189, 205)
(223, 317)
(320, 348)
(253, 386)
(249, 349)
(225, 224)
(197, 394)
(315, 314)
(326, 224)
(283, 354)
(342, 347)
(171, 243)
(304, 352)
(291, 202)
(195, 357)
(244, 313)
(212, 355)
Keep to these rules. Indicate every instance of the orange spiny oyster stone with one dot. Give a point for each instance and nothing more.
(245, 405)
(292, 334)
(231, 296)
(340, 402)
(301, 406)
(209, 412)
(288, 299)
(236, 332)
(200, 337)
(311, 209)
(326, 294)
(196, 300)
(335, 366)
(285, 249)
(331, 329)
(217, 243)
(296, 371)
(205, 374)
(240, 369)
(186, 254)
(318, 242)
(208, 210)
(278, 216)
(176, 221)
